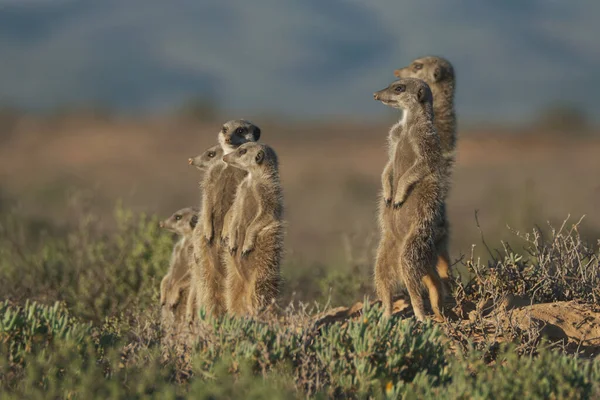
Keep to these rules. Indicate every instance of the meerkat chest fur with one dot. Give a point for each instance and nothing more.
(417, 142)
(222, 183)
(256, 193)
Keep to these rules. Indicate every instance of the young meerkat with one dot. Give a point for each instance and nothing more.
(219, 185)
(202, 162)
(175, 286)
(412, 199)
(254, 235)
(438, 73)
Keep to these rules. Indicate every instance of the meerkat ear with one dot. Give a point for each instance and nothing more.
(437, 74)
(260, 156)
(421, 94)
(257, 134)
(194, 221)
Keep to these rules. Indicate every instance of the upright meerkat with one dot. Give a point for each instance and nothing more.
(202, 162)
(438, 73)
(218, 190)
(254, 234)
(412, 199)
(175, 286)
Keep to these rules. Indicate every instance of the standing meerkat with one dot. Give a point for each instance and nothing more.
(411, 205)
(219, 185)
(254, 234)
(438, 73)
(175, 286)
(202, 162)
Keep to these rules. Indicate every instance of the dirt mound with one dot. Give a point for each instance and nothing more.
(575, 325)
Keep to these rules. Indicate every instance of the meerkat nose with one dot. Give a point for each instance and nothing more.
(190, 161)
(376, 96)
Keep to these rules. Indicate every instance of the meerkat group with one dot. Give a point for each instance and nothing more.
(227, 260)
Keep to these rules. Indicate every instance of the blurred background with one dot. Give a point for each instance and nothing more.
(105, 101)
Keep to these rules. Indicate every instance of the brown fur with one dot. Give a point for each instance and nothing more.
(175, 286)
(218, 190)
(412, 199)
(202, 162)
(438, 73)
(255, 232)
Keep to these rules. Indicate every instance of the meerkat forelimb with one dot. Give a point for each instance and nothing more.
(253, 274)
(407, 248)
(219, 186)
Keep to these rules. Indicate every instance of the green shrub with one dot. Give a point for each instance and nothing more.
(33, 327)
(95, 273)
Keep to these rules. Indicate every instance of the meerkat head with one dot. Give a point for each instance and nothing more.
(252, 156)
(432, 69)
(204, 160)
(182, 222)
(236, 132)
(405, 94)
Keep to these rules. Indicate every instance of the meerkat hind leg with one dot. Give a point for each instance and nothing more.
(436, 294)
(443, 269)
(386, 275)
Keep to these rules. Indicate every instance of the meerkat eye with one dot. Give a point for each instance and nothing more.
(177, 217)
(211, 154)
(399, 88)
(242, 152)
(239, 131)
(224, 129)
(418, 66)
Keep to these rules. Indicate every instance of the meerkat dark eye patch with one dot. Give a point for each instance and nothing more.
(194, 221)
(211, 154)
(177, 217)
(241, 152)
(417, 66)
(260, 156)
(239, 131)
(400, 88)
(224, 129)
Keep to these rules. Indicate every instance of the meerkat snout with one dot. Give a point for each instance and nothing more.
(376, 96)
(190, 161)
(161, 224)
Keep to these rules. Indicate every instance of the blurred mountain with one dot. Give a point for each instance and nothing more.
(301, 58)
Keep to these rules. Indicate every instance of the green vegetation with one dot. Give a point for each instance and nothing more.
(80, 320)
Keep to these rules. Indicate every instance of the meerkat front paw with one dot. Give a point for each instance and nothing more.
(208, 235)
(247, 249)
(232, 243)
(399, 199)
(224, 240)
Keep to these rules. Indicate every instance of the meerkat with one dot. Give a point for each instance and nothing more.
(219, 185)
(175, 286)
(201, 162)
(438, 73)
(254, 235)
(412, 199)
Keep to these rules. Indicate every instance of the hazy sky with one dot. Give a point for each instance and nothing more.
(302, 57)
